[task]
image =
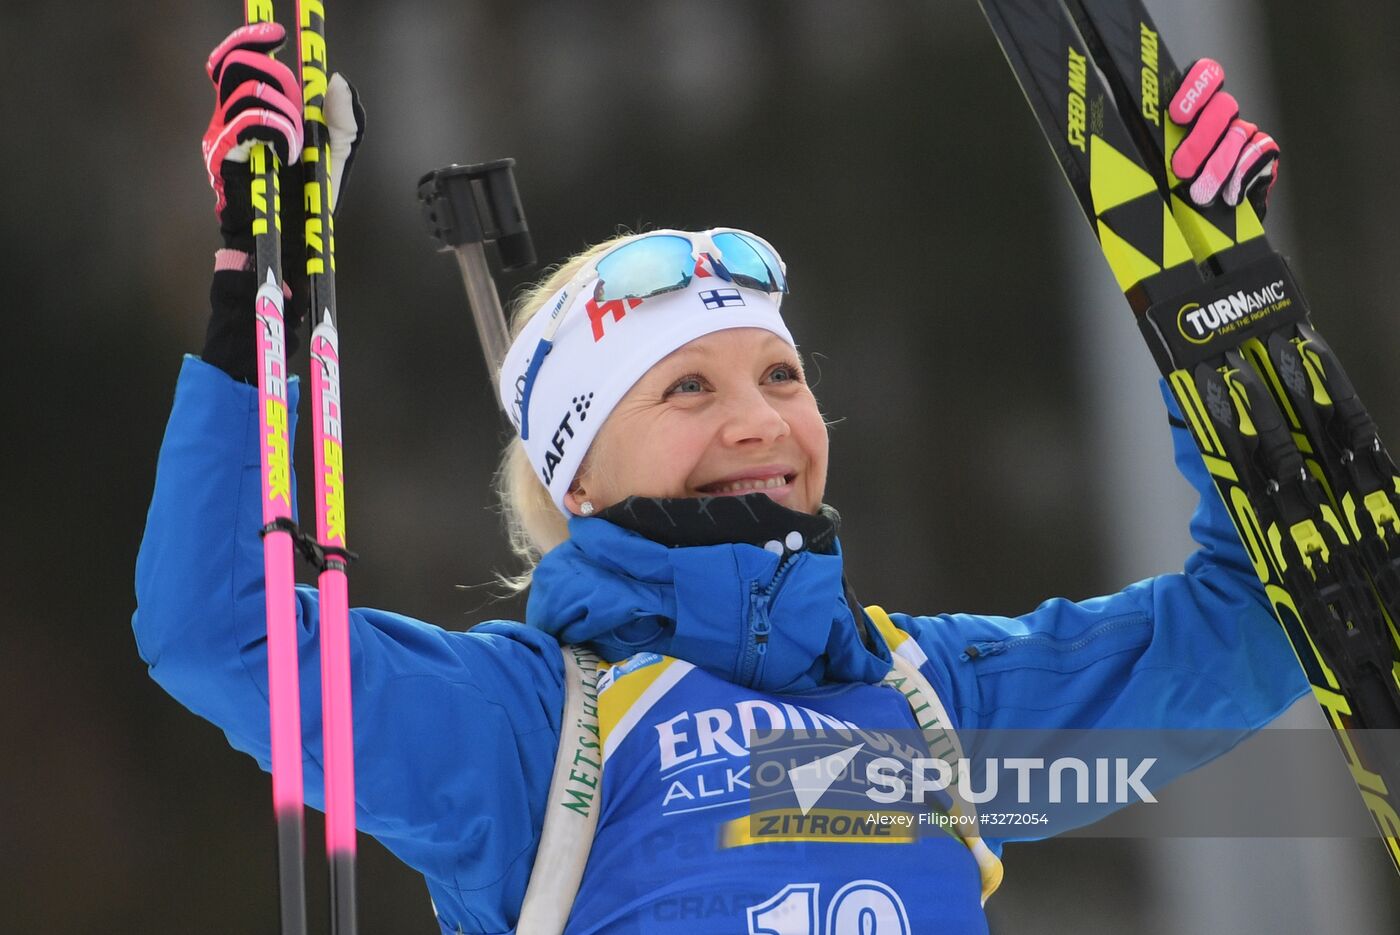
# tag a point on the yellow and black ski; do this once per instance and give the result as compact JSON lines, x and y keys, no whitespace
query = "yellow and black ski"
{"x":1294,"y":454}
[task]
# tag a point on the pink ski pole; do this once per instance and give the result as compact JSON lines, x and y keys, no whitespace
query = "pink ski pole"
{"x":283,"y":689}
{"x":338,"y":735}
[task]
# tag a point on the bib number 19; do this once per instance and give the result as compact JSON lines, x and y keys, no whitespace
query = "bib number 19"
{"x":864,"y":907}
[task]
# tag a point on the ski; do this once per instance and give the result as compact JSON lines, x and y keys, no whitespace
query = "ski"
{"x":330,"y":554}
{"x":279,"y":529}
{"x":1293,"y":453}
{"x":1331,"y":427}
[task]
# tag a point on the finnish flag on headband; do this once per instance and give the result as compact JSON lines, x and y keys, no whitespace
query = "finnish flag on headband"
{"x":721,"y":298}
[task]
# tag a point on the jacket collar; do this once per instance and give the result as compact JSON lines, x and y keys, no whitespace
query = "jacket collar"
{"x":743,"y":613}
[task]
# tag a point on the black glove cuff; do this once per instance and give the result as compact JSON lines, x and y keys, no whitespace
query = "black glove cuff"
{"x":236,"y":220}
{"x":230,"y":342}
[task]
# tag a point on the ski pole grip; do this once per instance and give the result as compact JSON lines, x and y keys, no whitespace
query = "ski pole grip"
{"x":478,"y":204}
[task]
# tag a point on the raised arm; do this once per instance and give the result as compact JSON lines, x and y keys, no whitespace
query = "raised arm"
{"x":455,"y":733}
{"x":1199,"y":648}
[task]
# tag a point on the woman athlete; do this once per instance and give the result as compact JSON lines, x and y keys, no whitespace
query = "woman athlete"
{"x":667,"y":489}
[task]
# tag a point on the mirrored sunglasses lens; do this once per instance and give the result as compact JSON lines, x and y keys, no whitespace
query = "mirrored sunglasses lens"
{"x":751,"y":262}
{"x":646,"y":267}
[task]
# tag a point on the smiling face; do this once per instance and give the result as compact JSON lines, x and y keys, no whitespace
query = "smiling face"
{"x":727,"y":414}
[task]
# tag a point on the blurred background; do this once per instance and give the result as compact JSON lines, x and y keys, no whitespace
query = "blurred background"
{"x":999,"y":439}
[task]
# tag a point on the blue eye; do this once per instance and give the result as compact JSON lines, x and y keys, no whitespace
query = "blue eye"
{"x":690,"y":384}
{"x":785,"y":373}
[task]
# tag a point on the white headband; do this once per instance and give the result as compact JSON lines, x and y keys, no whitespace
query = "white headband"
{"x":600,"y":350}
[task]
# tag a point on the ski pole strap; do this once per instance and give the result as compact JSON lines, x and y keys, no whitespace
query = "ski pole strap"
{"x":323,"y":557}
{"x":570,"y":820}
{"x":318,"y":556}
{"x":280,"y":524}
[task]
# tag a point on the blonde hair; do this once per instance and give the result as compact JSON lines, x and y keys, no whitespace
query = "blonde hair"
{"x":534,"y":524}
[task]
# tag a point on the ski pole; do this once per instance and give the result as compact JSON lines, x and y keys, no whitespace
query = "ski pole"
{"x":283,"y":686}
{"x":466,"y":207}
{"x":331,"y":556}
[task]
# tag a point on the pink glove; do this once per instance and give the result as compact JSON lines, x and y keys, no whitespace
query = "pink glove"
{"x":256,"y":98}
{"x":1222,"y":154}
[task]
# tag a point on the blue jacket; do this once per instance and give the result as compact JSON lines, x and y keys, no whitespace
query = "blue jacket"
{"x":456,"y":732}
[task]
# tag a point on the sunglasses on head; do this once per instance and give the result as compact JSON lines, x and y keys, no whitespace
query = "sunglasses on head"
{"x":666,"y":261}
{"x":653,"y":264}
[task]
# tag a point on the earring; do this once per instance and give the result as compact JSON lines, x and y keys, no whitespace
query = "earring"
{"x":586,"y":508}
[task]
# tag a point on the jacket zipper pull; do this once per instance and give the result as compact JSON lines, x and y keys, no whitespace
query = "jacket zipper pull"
{"x":982,"y":649}
{"x":761,"y":625}
{"x":757,"y":645}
